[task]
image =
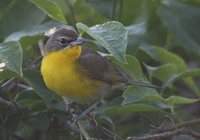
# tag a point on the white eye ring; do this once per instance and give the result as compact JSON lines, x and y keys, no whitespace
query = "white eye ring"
{"x":62,"y":41}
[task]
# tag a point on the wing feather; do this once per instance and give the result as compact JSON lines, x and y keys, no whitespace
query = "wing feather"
{"x":101,"y":68}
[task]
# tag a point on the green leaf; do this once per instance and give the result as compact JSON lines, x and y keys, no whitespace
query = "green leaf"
{"x":51,"y":8}
{"x":132,"y":68}
{"x":11,"y":123}
{"x":138,"y":11}
{"x":40,"y":121}
{"x":84,"y":13}
{"x":184,"y":75}
{"x":6,"y":74}
{"x":34,"y":30}
{"x":34,"y":79}
{"x":183,"y":22}
{"x":29,"y":103}
{"x":122,"y":12}
{"x":136,"y":94}
{"x":105,"y":117}
{"x":112,"y":35}
{"x":24,"y":129}
{"x":63,"y":4}
{"x":102,"y":6}
{"x":175,"y":100}
{"x":119,"y":110}
{"x":11,"y":54}
{"x":162,"y":72}
{"x":135,"y":35}
{"x":172,"y":100}
{"x":17,"y":15}
{"x":82,"y":28}
{"x":165,"y":57}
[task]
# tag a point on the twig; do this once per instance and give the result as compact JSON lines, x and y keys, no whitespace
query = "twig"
{"x":87,"y":111}
{"x":77,"y":122}
{"x":186,"y":124}
{"x":180,"y":128}
{"x":102,"y":129}
{"x":70,"y":6}
{"x":24,"y":87}
{"x":194,"y":134}
{"x":114,"y":9}
{"x":33,"y":62}
{"x":162,"y":127}
{"x":120,"y":10}
{"x":92,"y":121}
{"x":180,"y":125}
{"x":9,"y":84}
{"x":108,"y":133}
{"x":160,"y":136}
{"x":83,"y":131}
{"x":13,"y":82}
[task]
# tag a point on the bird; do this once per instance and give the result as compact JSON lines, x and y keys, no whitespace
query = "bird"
{"x":79,"y":73}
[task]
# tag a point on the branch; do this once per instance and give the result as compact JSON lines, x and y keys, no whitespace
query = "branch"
{"x":179,"y":128}
{"x":161,"y":135}
{"x":186,"y":124}
{"x":83,"y":130}
{"x":194,"y":134}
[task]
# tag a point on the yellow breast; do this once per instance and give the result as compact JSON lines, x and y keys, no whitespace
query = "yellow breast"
{"x":62,"y":74}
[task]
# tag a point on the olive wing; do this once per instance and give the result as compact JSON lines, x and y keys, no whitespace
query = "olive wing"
{"x":100,"y":68}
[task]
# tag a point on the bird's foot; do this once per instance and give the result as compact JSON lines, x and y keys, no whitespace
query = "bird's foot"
{"x":71,"y":107}
{"x":85,"y":113}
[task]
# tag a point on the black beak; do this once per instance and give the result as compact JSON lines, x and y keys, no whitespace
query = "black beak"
{"x":78,"y":41}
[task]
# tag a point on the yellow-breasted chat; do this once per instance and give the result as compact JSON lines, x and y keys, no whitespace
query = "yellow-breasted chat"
{"x":79,"y":73}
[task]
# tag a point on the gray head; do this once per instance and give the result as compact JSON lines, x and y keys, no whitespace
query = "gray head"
{"x":60,"y":39}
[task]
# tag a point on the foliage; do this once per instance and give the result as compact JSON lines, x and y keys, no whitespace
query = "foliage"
{"x":154,"y":41}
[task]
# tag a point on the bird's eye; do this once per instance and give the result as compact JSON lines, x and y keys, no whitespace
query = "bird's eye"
{"x":62,"y":41}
